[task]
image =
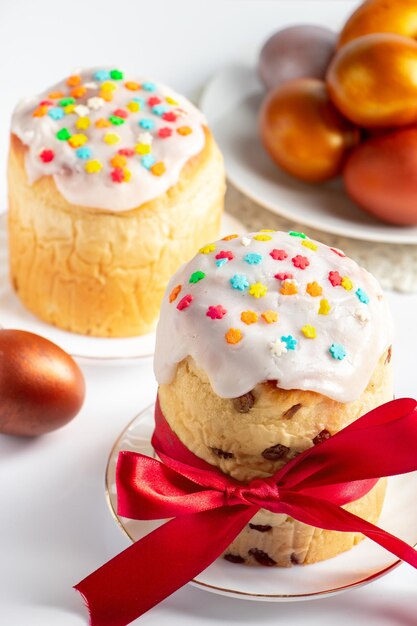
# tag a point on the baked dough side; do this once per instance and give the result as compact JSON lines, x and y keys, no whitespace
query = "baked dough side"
{"x":256,"y":434}
{"x":104,"y":273}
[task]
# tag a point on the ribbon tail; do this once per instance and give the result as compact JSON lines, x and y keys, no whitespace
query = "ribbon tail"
{"x":329,"y":516}
{"x":153,"y":568}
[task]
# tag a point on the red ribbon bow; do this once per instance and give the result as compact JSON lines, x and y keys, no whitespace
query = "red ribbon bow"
{"x":210,"y":508}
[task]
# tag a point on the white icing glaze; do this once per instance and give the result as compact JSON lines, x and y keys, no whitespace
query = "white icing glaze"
{"x":360,"y":329}
{"x":98,"y":190}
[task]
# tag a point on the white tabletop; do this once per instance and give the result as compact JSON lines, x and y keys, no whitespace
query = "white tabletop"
{"x":54,"y":526}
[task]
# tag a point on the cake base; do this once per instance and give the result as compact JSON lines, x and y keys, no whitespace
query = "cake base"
{"x":255,"y":435}
{"x":271,"y":539}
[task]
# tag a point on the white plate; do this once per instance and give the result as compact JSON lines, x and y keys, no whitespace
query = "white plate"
{"x":231,"y":103}
{"x":14,"y":315}
{"x":359,"y":566}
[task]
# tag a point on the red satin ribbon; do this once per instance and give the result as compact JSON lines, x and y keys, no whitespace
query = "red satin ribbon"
{"x":210,"y":508}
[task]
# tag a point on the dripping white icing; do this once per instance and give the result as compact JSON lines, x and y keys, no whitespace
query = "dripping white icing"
{"x":99,"y":190}
{"x":360,"y":329}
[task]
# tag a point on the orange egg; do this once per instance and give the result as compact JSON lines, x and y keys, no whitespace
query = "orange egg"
{"x":381,"y":176}
{"x":373,"y":80}
{"x":303,"y":132}
{"x":381,"y":16}
{"x":41,"y":386}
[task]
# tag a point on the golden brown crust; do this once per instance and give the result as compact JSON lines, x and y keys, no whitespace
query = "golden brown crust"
{"x":104,"y":273}
{"x":289,"y":542}
{"x":290,"y":418}
{"x":257,"y":434}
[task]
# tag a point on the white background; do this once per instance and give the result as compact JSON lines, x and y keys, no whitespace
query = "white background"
{"x":54,"y":524}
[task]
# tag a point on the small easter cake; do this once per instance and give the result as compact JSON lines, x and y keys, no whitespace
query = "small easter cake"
{"x":268,"y":344}
{"x":114,"y":182}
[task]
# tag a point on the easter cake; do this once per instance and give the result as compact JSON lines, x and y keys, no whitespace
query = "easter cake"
{"x":114,"y":182}
{"x":268,"y":344}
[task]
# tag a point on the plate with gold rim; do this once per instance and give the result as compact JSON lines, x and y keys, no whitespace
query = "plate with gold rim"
{"x":98,"y":349}
{"x":359,"y":566}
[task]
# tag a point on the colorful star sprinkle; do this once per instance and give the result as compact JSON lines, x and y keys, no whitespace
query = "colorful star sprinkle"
{"x":111,"y":138}
{"x":133,"y":106}
{"x":208,"y":249}
{"x":301,"y":262}
{"x":119,"y":160}
{"x":284,"y":276}
{"x":249,"y":317}
{"x":239,"y":281}
{"x":289,"y":341}
{"x":185,"y":302}
{"x":309,"y":331}
{"x":116,"y":74}
{"x":174,"y":293}
{"x":77,"y":140}
{"x":347,"y":283}
{"x":95,"y":103}
{"x":253,"y":258}
{"x":84,"y":152}
{"x":335,"y":279}
{"x":337,"y":351}
{"x":148,"y":160}
{"x":362,"y":296}
{"x":74,"y":80}
{"x":270,"y":317}
{"x":64,"y":102}
{"x":82,"y":123}
{"x":158,"y":169}
{"x":120,"y":113}
{"x":324,"y":308}
{"x":289,"y":287}
{"x":116,"y":120}
{"x":147,"y":124}
{"x":197,"y":276}
{"x":233,"y":335}
{"x":143,"y":148}
{"x":102,"y":75}
{"x":164,"y":132}
{"x":278,"y":347}
{"x":225,"y":254}
{"x":169,"y":116}
{"x":148,"y":86}
{"x":102,"y":123}
{"x":182,"y":130}
{"x":47,"y":156}
{"x":294,"y":233}
{"x":81,"y":110}
{"x":258,"y":290}
{"x":63,"y":134}
{"x":132,"y":85}
{"x":216,"y":312}
{"x":120,"y":175}
{"x":314,"y":289}
{"x":278,"y":255}
{"x":56,"y":113}
{"x":262,"y":237}
{"x":40,"y":111}
{"x":93,"y":167}
{"x":309,"y":244}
